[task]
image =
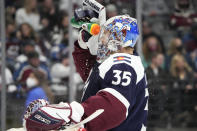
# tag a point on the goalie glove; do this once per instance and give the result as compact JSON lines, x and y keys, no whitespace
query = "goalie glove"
{"x":87,"y":41}
{"x":83,"y":38}
{"x":44,"y":117}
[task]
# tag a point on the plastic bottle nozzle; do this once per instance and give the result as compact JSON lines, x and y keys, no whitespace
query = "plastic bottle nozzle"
{"x":92,"y":28}
{"x":95,"y":29}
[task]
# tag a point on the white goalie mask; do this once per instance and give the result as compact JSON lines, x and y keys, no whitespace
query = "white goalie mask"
{"x":117,"y":32}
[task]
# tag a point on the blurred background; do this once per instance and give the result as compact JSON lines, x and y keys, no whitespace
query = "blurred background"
{"x":38,"y":63}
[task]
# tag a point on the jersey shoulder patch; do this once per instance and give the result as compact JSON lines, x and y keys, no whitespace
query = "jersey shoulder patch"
{"x":118,"y":59}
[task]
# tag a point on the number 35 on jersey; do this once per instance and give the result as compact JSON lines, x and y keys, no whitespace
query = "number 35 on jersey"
{"x":121,"y":78}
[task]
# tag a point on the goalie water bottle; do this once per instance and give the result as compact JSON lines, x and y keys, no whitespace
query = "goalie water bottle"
{"x":92,"y":28}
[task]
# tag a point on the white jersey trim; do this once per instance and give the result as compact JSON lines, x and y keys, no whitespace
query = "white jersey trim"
{"x":119,"y":96}
{"x":146,"y":95}
{"x":105,"y":67}
{"x":143,"y":128}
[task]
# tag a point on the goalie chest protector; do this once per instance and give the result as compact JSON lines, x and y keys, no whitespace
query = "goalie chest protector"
{"x":124,"y":73}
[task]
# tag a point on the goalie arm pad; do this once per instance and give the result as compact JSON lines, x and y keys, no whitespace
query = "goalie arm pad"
{"x":114,"y":111}
{"x":83,"y":60}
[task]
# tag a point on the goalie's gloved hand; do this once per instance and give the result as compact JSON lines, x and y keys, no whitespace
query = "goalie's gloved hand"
{"x":44,"y":117}
{"x":88,"y":41}
{"x":83,"y":38}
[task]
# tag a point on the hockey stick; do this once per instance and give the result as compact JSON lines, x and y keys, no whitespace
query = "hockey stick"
{"x":89,"y":118}
{"x":16,"y":129}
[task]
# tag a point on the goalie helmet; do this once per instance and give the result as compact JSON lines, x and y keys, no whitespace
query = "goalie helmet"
{"x":117,"y":32}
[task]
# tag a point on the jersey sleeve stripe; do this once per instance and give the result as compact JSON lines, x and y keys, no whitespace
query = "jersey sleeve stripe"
{"x":123,"y":60}
{"x":119,"y":96}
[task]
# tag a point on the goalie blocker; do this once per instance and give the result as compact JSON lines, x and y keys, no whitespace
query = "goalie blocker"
{"x":40,"y":116}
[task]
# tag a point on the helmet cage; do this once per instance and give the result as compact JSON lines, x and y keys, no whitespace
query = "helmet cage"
{"x":122,"y":32}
